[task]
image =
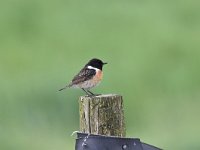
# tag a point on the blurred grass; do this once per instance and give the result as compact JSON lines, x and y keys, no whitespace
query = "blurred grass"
{"x":153,"y":45}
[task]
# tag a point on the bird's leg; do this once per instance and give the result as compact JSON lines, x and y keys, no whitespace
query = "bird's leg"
{"x":92,"y":93}
{"x":85,"y":91}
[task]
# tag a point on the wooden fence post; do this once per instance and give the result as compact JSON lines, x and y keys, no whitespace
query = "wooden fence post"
{"x":102,"y":114}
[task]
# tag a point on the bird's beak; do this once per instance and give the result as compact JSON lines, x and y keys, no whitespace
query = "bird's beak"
{"x":105,"y":63}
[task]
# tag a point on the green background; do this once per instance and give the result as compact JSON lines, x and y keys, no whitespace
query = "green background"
{"x":153,"y":51}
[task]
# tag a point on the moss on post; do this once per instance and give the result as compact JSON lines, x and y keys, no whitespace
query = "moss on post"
{"x":102,"y":114}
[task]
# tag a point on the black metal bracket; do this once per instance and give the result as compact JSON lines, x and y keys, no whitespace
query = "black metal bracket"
{"x":86,"y":141}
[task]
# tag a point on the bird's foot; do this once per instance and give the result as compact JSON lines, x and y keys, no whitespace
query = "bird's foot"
{"x":93,"y":95}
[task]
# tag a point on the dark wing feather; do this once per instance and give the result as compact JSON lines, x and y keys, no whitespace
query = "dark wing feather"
{"x":83,"y":75}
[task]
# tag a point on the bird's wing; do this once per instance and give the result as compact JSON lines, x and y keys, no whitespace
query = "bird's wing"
{"x":83,"y":75}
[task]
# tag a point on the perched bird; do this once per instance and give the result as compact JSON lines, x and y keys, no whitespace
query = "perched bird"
{"x":89,"y":76}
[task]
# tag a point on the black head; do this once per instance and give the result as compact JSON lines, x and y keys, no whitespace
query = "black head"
{"x":97,"y":63}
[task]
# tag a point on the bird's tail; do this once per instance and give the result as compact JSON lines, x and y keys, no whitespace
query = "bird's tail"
{"x":64,"y":88}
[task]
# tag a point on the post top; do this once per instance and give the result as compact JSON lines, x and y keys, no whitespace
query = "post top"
{"x":101,"y":96}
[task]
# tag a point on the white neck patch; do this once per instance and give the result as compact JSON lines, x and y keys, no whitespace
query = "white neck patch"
{"x":90,"y":67}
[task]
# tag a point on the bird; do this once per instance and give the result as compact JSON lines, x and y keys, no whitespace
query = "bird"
{"x":88,"y":77}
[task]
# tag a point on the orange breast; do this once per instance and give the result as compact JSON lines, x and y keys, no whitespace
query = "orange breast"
{"x":98,"y":77}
